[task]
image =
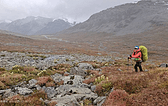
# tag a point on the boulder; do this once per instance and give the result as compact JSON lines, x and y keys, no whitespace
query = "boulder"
{"x":85,"y":66}
{"x":7,"y":93}
{"x":80,"y":97}
{"x":78,"y":71}
{"x":75,"y":80}
{"x":32,"y":83}
{"x":99,"y":100}
{"x":56,"y":77}
{"x":51,"y":92}
{"x":24,"y":91}
{"x":68,"y":100}
{"x":75,"y":90}
{"x":93,"y":88}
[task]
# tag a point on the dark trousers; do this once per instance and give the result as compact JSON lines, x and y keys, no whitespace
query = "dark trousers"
{"x":138,"y":64}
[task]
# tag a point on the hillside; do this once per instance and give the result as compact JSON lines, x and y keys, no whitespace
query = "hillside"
{"x":131,"y":18}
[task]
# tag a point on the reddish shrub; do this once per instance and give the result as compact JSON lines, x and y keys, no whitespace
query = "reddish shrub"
{"x":60,"y":83}
{"x":66,"y":74}
{"x":49,"y":84}
{"x":99,"y":90}
{"x":116,"y":98}
{"x":149,"y":97}
{"x":28,"y":69}
{"x":88,"y":81}
{"x":43,"y":80}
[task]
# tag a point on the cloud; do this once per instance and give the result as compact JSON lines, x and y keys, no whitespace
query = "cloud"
{"x":74,"y":10}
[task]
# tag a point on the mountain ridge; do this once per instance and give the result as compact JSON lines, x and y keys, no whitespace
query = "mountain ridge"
{"x":33,"y":25}
{"x":130,"y":18}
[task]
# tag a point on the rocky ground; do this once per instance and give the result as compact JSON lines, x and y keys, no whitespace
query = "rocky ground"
{"x":71,"y":93}
{"x":44,"y":61}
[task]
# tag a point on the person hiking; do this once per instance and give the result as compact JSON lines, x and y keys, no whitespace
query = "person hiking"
{"x":137,"y":55}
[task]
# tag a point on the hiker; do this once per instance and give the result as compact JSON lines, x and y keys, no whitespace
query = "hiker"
{"x":137,"y":55}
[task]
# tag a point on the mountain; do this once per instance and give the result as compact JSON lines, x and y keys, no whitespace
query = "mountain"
{"x":35,"y":25}
{"x":130,"y":18}
{"x":54,"y":26}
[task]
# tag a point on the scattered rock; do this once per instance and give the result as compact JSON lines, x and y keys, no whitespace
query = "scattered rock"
{"x":51,"y":92}
{"x":99,"y":100}
{"x":78,"y":71}
{"x":67,"y":100}
{"x":24,"y":91}
{"x":32,"y":83}
{"x":119,"y":69}
{"x":56,"y":77}
{"x":93,"y":88}
{"x":164,"y":65}
{"x":146,"y":70}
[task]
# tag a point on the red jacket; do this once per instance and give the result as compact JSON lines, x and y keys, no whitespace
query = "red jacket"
{"x":137,"y":54}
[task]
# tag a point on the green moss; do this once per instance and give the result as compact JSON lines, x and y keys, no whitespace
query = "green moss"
{"x":2,"y":69}
{"x":87,"y":102}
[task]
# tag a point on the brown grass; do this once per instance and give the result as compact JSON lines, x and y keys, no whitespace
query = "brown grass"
{"x":42,"y":81}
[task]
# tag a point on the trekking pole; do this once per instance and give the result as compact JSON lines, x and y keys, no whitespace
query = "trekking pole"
{"x":128,"y":65}
{"x":132,"y":65}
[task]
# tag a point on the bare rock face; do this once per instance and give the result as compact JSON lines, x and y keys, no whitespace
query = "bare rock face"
{"x":125,"y":19}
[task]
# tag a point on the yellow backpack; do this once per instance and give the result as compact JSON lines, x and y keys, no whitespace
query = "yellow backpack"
{"x":144,"y":52}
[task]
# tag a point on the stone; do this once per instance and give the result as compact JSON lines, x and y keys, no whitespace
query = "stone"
{"x":119,"y":69}
{"x":38,"y":87}
{"x":2,"y":92}
{"x":76,"y":90}
{"x":98,"y":100}
{"x":56,"y":77}
{"x":164,"y":65}
{"x":85,"y":66}
{"x":146,"y":70}
{"x":81,"y":97}
{"x":83,"y":85}
{"x":32,"y":83}
{"x":51,"y":92}
{"x":7,"y":93}
{"x":61,"y":104}
{"x":101,"y":103}
{"x":68,"y":100}
{"x":93,"y":88}
{"x":24,"y":91}
{"x":78,"y":71}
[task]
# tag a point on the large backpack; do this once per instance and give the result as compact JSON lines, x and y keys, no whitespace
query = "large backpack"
{"x":144,"y":53}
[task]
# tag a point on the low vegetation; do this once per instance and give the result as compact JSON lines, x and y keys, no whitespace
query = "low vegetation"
{"x":117,"y":81}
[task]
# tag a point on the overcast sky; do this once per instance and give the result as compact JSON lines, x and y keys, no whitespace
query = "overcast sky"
{"x":73,"y":10}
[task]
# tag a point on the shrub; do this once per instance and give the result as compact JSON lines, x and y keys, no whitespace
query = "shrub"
{"x":50,"y":84}
{"x":87,"y":102}
{"x":103,"y":88}
{"x":88,"y":81}
{"x":28,"y":69}
{"x":149,"y":97}
{"x":42,"y":73}
{"x":43,"y":80}
{"x":116,"y":98}
{"x":17,"y":67}
{"x":132,"y":85}
{"x":60,"y":83}
{"x":2,"y":69}
{"x":2,"y":85}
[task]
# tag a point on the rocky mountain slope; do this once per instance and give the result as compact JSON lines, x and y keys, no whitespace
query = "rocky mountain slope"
{"x":35,"y":25}
{"x":131,"y":18}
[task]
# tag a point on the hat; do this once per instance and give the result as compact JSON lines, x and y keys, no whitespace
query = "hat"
{"x":136,"y":47}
